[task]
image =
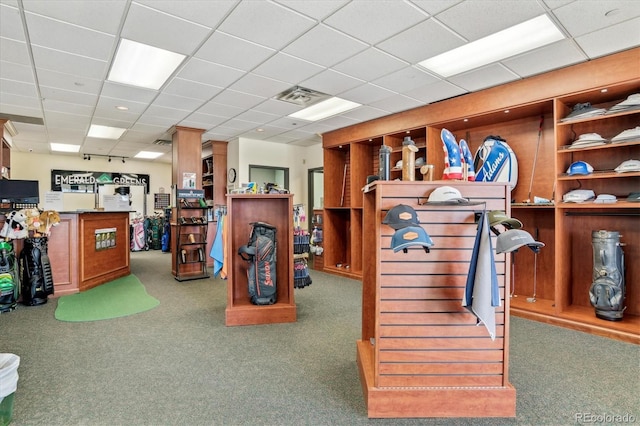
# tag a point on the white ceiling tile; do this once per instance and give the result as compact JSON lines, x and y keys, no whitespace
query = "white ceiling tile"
{"x":100,"y":15}
{"x":370,"y":64}
{"x":481,"y":78}
{"x":149,"y":129}
{"x":266,"y":132}
{"x":553,"y":56}
{"x":108,"y":103}
{"x":98,"y":146}
{"x":51,"y":93}
{"x":615,"y":38}
{"x":239,"y":125}
{"x":232,"y":51}
{"x":158,"y":29}
{"x":207,"y":120}
{"x":31,"y":132}
{"x":177,"y":102}
{"x":19,"y":107}
{"x":433,"y":7}
{"x":220,"y":110}
{"x":259,"y":86}
{"x":288,"y":123}
{"x":331,"y":82}
{"x":266,"y":23}
{"x":69,"y":82}
{"x":405,"y":79}
{"x":68,"y":107}
{"x":20,"y":88}
{"x":436,"y":92}
{"x":274,"y":106}
{"x":66,"y":121}
{"x":31,"y":146}
{"x":364,"y":113}
{"x":16,"y":72}
{"x":478,"y":18}
{"x":11,"y":23}
{"x":16,"y":101}
{"x":552,"y":4}
{"x":339,"y":121}
{"x":207,"y":13}
{"x":209,"y":73}
{"x":396,"y":103}
{"x":110,"y":113}
{"x":14,"y":51}
{"x":191,"y":89}
{"x":165,"y":112}
{"x":427,"y":39}
{"x":238,"y":99}
{"x":580,"y":20}
{"x":324,"y":46}
{"x":72,"y":136}
{"x":374,"y":21}
{"x":155,"y":120}
{"x":69,"y":38}
{"x":69,"y":63}
{"x":367,"y":93}
{"x":256,"y":116}
{"x":121,"y":91}
{"x":287,"y":68}
{"x":314,"y":9}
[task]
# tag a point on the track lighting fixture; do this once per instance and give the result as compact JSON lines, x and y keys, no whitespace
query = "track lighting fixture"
{"x":86,"y":157}
{"x":109,"y":159}
{"x":123,"y":159}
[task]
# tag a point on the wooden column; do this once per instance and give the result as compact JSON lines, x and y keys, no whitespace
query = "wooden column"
{"x":187,"y":154}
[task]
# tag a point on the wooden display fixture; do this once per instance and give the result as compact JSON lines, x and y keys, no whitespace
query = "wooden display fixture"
{"x":514,"y":111}
{"x":421,"y":353}
{"x":214,"y":184}
{"x":190,"y":239}
{"x":242,"y":210}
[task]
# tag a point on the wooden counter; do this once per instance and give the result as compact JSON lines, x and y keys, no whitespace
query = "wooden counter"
{"x":76,"y":263}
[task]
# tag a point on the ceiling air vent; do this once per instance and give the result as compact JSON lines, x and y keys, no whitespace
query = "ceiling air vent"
{"x":301,"y":96}
{"x":162,"y":142}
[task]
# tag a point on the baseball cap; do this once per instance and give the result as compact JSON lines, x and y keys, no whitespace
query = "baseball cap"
{"x":446,"y":195}
{"x":513,"y":239}
{"x":628,"y":166}
{"x":498,"y":217}
{"x":605,"y":199}
{"x":401,"y":216}
{"x":398,"y":165}
{"x":579,"y":168}
{"x":634,"y":197}
{"x":410,"y":236}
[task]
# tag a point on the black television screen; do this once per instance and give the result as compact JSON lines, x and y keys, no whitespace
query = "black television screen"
{"x":19,"y":191}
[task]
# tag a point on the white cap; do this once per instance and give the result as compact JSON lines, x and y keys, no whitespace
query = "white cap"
{"x":446,"y":195}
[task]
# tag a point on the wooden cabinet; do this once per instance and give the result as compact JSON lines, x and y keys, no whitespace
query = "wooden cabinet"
{"x":527,"y":114}
{"x":242,"y":210}
{"x":421,"y":354}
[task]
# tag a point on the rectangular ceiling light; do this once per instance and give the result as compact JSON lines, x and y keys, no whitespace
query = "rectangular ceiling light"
{"x":529,"y":35}
{"x":64,"y":147}
{"x":141,"y":65}
{"x":105,"y":132}
{"x":148,"y":154}
{"x":324,"y":109}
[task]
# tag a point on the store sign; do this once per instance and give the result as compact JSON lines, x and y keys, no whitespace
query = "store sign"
{"x":87,"y":182}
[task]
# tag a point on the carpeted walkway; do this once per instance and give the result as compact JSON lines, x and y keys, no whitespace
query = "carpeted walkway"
{"x":178,"y":364}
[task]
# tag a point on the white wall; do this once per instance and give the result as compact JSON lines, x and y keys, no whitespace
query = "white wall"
{"x":30,"y":166}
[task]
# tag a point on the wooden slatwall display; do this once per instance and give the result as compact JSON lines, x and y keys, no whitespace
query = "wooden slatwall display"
{"x":422,"y":354}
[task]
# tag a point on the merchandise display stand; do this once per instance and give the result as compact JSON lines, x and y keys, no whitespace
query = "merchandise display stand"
{"x":421,"y":353}
{"x":190,"y":259}
{"x":242,"y":210}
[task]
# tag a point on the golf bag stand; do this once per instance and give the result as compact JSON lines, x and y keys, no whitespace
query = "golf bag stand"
{"x":35,"y":271}
{"x":607,"y":291}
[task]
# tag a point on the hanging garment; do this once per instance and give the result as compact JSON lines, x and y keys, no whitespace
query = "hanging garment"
{"x":481,"y":294}
{"x":217,"y":251}
{"x":225,"y":257}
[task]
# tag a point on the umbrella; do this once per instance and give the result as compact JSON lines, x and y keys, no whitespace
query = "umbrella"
{"x":481,"y":294}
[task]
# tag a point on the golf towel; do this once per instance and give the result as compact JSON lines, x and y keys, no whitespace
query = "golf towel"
{"x":481,"y":294}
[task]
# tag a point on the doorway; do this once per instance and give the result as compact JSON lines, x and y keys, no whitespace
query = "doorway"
{"x":315,"y":181}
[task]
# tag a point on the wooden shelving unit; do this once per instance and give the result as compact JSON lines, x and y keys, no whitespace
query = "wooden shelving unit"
{"x":242,"y":210}
{"x":421,"y":354}
{"x":214,"y":183}
{"x":514,"y":112}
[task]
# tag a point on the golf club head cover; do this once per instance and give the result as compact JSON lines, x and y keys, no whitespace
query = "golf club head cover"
{"x":452,"y":159}
{"x":607,"y":292}
{"x":467,"y":160}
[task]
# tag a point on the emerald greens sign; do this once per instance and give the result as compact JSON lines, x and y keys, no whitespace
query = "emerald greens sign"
{"x":87,"y":182}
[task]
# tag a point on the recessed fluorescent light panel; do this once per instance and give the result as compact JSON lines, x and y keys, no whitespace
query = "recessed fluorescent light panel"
{"x":324,"y":109}
{"x":64,"y":147}
{"x":529,"y":35}
{"x":148,"y":154}
{"x":105,"y":132}
{"x":141,"y":65}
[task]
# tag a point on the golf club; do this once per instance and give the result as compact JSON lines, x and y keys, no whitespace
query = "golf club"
{"x":535,"y":159}
{"x":344,"y":184}
{"x":535,"y":272}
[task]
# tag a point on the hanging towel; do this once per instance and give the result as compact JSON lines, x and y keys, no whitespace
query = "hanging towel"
{"x":481,"y":294}
{"x":225,"y":236}
{"x":217,"y":251}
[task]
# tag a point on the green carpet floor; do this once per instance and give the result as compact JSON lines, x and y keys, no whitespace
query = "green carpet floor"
{"x":118,"y":298}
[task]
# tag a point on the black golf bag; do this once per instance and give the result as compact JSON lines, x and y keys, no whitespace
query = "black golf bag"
{"x":260,"y":254}
{"x":9,"y":279}
{"x":607,"y":291}
{"x":35,"y":272}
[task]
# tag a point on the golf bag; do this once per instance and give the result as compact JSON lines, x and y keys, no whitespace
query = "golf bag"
{"x":495,"y":161}
{"x":35,"y":272}
{"x":607,"y":291}
{"x":9,"y":279}
{"x":260,"y":254}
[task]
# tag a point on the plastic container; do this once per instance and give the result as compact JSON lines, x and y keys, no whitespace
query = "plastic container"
{"x":8,"y":384}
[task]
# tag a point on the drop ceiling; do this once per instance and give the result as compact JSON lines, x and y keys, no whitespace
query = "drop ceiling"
{"x":240,"y":54}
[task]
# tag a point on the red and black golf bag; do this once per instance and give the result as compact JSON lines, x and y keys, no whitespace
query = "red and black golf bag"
{"x":260,"y":254}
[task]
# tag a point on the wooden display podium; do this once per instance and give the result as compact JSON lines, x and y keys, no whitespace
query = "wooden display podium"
{"x":421,"y":353}
{"x":242,"y":210}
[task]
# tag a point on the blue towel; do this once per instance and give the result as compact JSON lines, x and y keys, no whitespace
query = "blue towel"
{"x":481,"y":294}
{"x":217,"y":249}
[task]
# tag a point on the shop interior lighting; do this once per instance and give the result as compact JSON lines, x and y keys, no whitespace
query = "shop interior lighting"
{"x":64,"y":147}
{"x":142,"y":65}
{"x":148,"y":154}
{"x":105,"y":132}
{"x":529,"y":35}
{"x":324,"y":109}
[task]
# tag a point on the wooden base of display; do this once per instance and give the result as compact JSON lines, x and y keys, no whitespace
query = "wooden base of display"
{"x":253,"y":315}
{"x":407,"y":402}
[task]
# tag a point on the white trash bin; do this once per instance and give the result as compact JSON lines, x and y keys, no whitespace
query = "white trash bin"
{"x":8,"y":384}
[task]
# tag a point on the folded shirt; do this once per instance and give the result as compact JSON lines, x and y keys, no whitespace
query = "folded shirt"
{"x":627,"y":135}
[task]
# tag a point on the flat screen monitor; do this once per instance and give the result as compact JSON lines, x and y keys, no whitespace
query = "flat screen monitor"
{"x":19,"y":191}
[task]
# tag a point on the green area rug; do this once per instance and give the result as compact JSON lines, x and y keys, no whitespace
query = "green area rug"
{"x":118,"y":298}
